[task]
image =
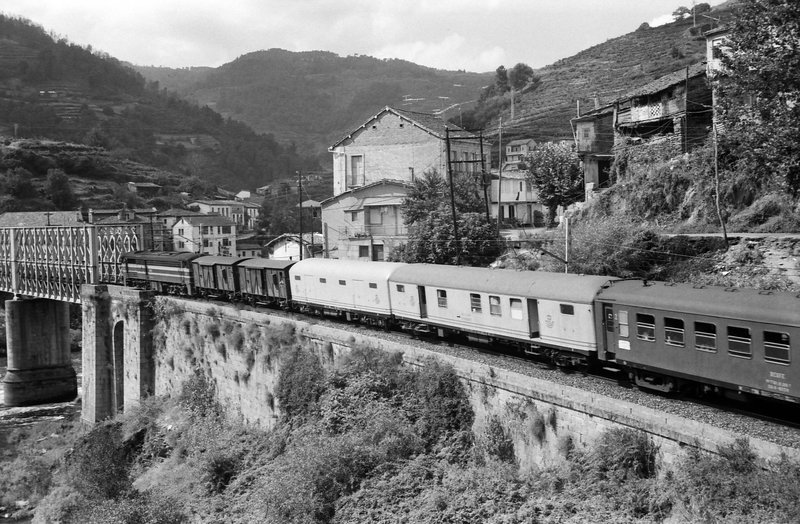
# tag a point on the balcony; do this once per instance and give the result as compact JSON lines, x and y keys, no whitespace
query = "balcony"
{"x":387,"y":230}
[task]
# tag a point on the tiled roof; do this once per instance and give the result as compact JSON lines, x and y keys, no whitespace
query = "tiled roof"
{"x":385,"y":181}
{"x":661,"y":83}
{"x":41,"y":218}
{"x":116,"y":220}
{"x":175,"y":212}
{"x":429,"y":122}
{"x":209,"y":220}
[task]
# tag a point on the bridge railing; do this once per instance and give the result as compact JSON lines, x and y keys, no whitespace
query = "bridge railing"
{"x":53,"y":262}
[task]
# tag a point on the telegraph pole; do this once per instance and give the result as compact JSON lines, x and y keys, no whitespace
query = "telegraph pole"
{"x":452,"y":196}
{"x":500,"y":177}
{"x":485,"y":183}
{"x":300,"y":205}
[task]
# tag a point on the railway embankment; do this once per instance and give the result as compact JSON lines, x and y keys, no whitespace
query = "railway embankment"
{"x":545,"y":411}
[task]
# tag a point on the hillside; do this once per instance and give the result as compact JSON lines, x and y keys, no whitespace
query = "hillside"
{"x":602,"y":73}
{"x":311,"y":98}
{"x":57,"y":90}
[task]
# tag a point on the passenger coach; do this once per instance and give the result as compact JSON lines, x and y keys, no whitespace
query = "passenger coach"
{"x":551,"y":311}
{"x":675,"y":335}
{"x":358,"y":290}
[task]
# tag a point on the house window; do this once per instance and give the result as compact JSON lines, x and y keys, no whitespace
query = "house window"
{"x":586,"y":132}
{"x":226,"y":242}
{"x":205,"y":230}
{"x":180,"y":231}
{"x":356,"y":170}
{"x":226,"y":230}
{"x":363,"y":251}
{"x":739,"y":342}
{"x":475,"y":302}
{"x":375,"y":216}
{"x":181,"y":244}
{"x":776,"y":347}
{"x":494,"y":305}
{"x":354,"y":216}
{"x":705,"y":336}
{"x":401,"y":288}
{"x":673,"y":332}
{"x":205,"y":242}
{"x":645,"y":327}
{"x":441,"y":297}
{"x":567,"y":309}
{"x":516,"y":308}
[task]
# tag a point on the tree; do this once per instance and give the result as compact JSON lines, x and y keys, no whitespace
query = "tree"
{"x":59,"y":190}
{"x":681,"y":13}
{"x":520,"y":75}
{"x":501,"y":80}
{"x":702,"y":8}
{"x":761,"y":66}
{"x":555,"y":172}
{"x":429,"y":218}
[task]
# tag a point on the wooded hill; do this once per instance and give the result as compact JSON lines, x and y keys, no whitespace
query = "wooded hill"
{"x":312,"y":98}
{"x":51,"y":88}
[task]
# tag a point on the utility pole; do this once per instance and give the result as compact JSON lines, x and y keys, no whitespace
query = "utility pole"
{"x":566,"y":244}
{"x":452,"y":197}
{"x":500,"y":177}
{"x":484,"y":182}
{"x":300,"y":205}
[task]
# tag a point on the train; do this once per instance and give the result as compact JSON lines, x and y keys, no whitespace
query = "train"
{"x":663,"y":336}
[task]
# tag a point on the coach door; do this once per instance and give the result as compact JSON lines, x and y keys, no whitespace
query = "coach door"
{"x":423,"y":302}
{"x":533,"y":317}
{"x":609,"y":334}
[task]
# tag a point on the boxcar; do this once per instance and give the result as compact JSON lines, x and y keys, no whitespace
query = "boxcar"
{"x":265,"y":281}
{"x":163,"y":271}
{"x":675,"y":335}
{"x":349,"y":287}
{"x":216,"y":276}
{"x":536,"y":309}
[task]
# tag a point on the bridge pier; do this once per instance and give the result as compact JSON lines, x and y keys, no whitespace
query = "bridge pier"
{"x":38,"y":346}
{"x":118,"y":366}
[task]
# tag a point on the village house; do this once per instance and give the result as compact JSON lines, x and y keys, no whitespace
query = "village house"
{"x":365,"y":223}
{"x":518,"y":202}
{"x":287,"y":246}
{"x":373,"y":167}
{"x":248,"y":250}
{"x":672,"y":113}
{"x":206,"y":234}
{"x":401,"y":145}
{"x":674,"y":109}
{"x":517,"y":150}
{"x":144,"y":189}
{"x":245,"y":214}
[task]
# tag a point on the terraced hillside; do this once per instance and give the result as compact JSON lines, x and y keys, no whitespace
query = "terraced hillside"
{"x":603,"y":72}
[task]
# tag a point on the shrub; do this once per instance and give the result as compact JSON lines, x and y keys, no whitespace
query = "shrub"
{"x":498,"y":442}
{"x":622,"y":454}
{"x":199,"y":398}
{"x":300,"y":383}
{"x":99,"y":464}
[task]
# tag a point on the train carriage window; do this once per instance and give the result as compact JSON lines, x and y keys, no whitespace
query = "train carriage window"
{"x":494,"y":305}
{"x":323,"y":280}
{"x":673,"y":332}
{"x":645,"y":327}
{"x":275,"y":280}
{"x":776,"y":347}
{"x":401,"y":288}
{"x":516,"y":308}
{"x":475,"y":302}
{"x":624,"y":329}
{"x":567,"y":309}
{"x":343,"y":282}
{"x":297,"y":277}
{"x":441,"y":297}
{"x":373,"y":285}
{"x":739,"y":342}
{"x":705,"y":336}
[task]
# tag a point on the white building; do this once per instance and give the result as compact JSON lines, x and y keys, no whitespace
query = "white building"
{"x":207,"y":234}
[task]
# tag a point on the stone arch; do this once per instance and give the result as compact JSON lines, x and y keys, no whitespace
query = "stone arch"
{"x":118,"y":367}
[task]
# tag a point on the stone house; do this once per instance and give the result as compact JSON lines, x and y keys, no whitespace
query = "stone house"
{"x":245,"y":214}
{"x":400,"y":145}
{"x":518,"y":202}
{"x":594,"y":143}
{"x":365,"y":223}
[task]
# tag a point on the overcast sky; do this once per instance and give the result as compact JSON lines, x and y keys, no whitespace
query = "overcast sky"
{"x":475,"y":35}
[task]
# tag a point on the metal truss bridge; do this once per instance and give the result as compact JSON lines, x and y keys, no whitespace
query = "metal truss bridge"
{"x":53,"y":262}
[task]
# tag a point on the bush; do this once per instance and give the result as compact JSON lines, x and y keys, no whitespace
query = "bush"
{"x":301,"y":381}
{"x":498,"y":442}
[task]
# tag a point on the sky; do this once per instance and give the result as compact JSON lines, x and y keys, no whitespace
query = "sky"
{"x":473,"y":35}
